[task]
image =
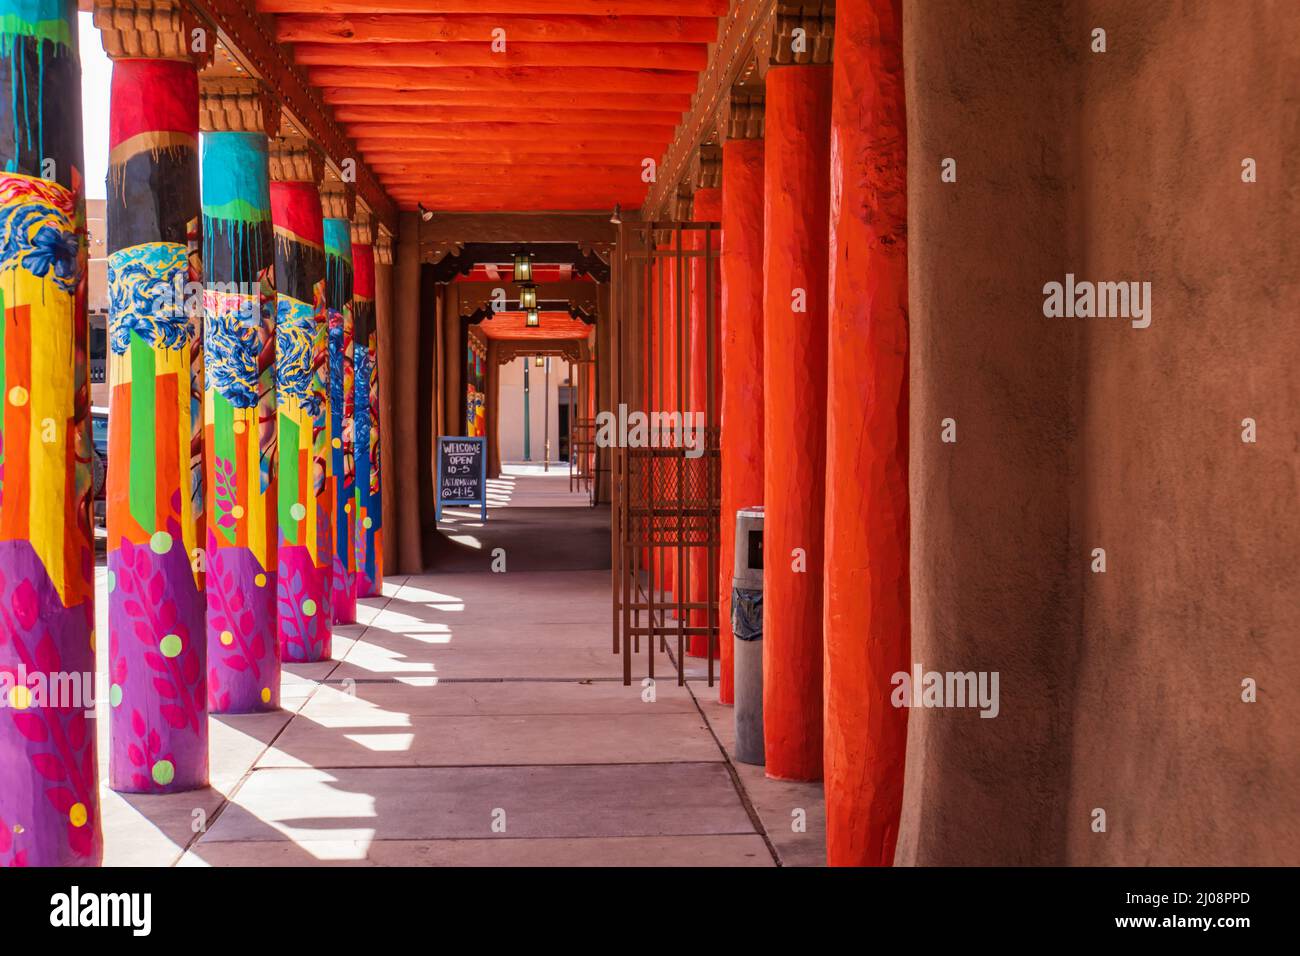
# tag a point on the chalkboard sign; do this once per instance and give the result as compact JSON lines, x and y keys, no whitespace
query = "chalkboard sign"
{"x":462,"y":473}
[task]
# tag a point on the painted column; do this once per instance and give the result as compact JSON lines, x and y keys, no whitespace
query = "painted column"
{"x":49,"y":798}
{"x":338,"y":282}
{"x":239,"y":305}
{"x":796,"y":210}
{"x":384,"y":374}
{"x":742,"y":363}
{"x":306,"y":491}
{"x":406,"y":390}
{"x":368,"y":506}
{"x":868,"y":605}
{"x":157,"y":654}
{"x":706,"y":207}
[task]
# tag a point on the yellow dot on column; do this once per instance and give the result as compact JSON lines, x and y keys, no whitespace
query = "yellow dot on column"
{"x":77,"y":815}
{"x":337,"y":443}
{"x":260,"y":580}
{"x":18,"y":396}
{"x":266,"y":695}
{"x":20,"y":698}
{"x":239,"y":428}
{"x":227,"y":638}
{"x":237,"y":511}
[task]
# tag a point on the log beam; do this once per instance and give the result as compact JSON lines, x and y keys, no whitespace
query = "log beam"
{"x":566,"y":28}
{"x":433,"y":55}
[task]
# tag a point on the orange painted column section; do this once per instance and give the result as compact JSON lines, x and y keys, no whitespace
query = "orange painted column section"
{"x":741,"y":348}
{"x":707,"y":207}
{"x":665,"y":373}
{"x":796,"y":212}
{"x":868,"y":621}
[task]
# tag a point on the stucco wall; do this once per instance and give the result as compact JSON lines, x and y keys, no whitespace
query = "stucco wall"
{"x":1121,"y":690}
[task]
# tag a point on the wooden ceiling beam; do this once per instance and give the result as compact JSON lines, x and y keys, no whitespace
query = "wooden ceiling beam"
{"x":508,"y":179}
{"x":652,"y":138}
{"x":574,"y":168}
{"x":531,"y":228}
{"x":595,"y":8}
{"x":566,"y":28}
{"x":511,"y":80}
{"x":675,"y":103}
{"x":504,"y":113}
{"x":432,"y":154}
{"x":649,"y":56}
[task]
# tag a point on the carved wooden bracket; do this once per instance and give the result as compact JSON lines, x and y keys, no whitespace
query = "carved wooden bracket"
{"x":570,"y":350}
{"x":338,"y":201}
{"x":153,"y":29}
{"x":237,"y":104}
{"x":383,"y":248}
{"x":708,"y":170}
{"x":803,"y":33}
{"x":295,"y":159}
{"x":745,"y":110}
{"x":681,"y":209}
{"x":363,"y":230}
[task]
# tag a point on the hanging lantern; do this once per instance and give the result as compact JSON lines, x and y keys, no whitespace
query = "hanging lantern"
{"x":533,"y":319}
{"x":540,"y":361}
{"x":528,"y":296}
{"x":523,"y":266}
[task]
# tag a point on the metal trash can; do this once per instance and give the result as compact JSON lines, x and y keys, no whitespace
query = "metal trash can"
{"x":747,"y":629}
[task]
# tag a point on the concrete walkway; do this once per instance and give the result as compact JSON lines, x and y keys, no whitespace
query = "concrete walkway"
{"x":477,"y":718}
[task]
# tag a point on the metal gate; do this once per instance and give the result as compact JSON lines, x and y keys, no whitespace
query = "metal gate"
{"x":666,"y":478}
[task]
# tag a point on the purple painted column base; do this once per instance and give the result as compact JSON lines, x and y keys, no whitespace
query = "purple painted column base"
{"x":156,"y":660}
{"x":49,"y":801}
{"x":344,"y":597}
{"x":243,"y":647}
{"x":304,"y":607}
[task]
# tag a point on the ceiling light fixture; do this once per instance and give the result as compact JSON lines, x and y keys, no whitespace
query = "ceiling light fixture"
{"x":523,"y":266}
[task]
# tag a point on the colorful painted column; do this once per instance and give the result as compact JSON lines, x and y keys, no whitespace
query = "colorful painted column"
{"x":306,"y":489}
{"x":706,"y":207}
{"x":338,"y":286}
{"x":368,"y":504}
{"x":796,"y":213}
{"x":742,"y":358}
{"x":239,"y":303}
{"x":49,"y":781}
{"x":868,"y":596}
{"x":157,"y":654}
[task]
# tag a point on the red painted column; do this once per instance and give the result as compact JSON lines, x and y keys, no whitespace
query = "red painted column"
{"x":665,"y":376}
{"x":741,"y":347}
{"x":796,"y":208}
{"x":707,"y":208}
{"x":868,"y":623}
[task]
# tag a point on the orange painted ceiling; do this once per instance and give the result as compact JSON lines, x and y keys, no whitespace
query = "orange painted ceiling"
{"x":561,"y":119}
{"x":551,"y":325}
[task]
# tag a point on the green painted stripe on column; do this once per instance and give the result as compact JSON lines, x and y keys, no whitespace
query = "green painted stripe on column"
{"x":143,"y":493}
{"x":223,"y":433}
{"x":288,"y":479}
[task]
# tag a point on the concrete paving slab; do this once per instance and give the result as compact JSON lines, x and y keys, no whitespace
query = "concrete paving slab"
{"x":424,"y":803}
{"x":438,"y":741}
{"x":780,"y":804}
{"x":727,"y":850}
{"x":338,"y":704}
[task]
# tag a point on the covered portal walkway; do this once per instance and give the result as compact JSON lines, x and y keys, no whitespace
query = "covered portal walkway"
{"x":462,"y":722}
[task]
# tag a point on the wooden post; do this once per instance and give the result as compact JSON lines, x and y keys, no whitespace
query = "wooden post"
{"x":868,"y":596}
{"x":796,"y":211}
